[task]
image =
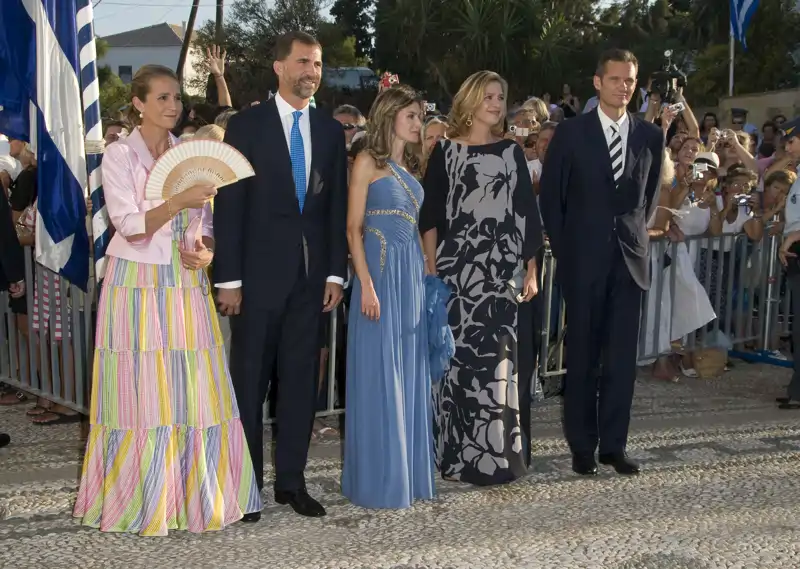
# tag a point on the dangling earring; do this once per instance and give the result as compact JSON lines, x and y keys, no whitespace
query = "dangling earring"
{"x":141,"y":115}
{"x":469,"y":120}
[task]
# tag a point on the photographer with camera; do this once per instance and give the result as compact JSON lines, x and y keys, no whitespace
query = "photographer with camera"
{"x":733,"y":149}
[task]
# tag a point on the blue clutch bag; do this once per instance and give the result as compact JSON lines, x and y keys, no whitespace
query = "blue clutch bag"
{"x":441,"y":344}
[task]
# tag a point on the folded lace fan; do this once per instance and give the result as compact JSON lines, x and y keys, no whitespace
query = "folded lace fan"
{"x":196,"y":162}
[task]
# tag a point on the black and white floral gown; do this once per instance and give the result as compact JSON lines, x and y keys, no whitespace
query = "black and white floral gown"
{"x":481,"y":201}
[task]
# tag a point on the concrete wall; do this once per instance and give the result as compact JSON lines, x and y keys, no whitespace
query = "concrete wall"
{"x":761,"y":107}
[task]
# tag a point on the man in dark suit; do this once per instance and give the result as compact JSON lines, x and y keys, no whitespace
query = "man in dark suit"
{"x":12,"y":265}
{"x":599,"y":186}
{"x":281,"y":260}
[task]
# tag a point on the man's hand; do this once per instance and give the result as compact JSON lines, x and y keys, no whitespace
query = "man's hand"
{"x":333,"y":296}
{"x":229,"y":301}
{"x":17,"y":290}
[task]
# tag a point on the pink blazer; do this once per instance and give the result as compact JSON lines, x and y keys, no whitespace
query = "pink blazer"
{"x":126,"y":165}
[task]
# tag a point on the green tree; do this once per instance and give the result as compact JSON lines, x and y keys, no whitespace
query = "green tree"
{"x":114,"y":94}
{"x":250,"y":31}
{"x":355,"y":19}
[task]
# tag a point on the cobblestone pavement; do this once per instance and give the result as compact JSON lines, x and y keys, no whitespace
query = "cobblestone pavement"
{"x":719,"y":490}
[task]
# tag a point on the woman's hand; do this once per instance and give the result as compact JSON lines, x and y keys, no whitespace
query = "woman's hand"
{"x":216,"y":60}
{"x":675,"y":234}
{"x":707,"y":199}
{"x":667,"y":116}
{"x":370,"y":306}
{"x":200,"y":258}
{"x":530,"y":285}
{"x":193,"y":198}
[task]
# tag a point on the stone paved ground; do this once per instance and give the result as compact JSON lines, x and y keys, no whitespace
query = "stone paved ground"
{"x":720,"y":490}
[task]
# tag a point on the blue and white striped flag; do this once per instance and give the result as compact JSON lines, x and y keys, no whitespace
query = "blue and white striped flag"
{"x":741,"y":12}
{"x":94,"y":134}
{"x":40,"y":50}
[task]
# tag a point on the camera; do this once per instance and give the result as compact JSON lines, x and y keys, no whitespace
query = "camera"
{"x":430,"y":107}
{"x":667,"y":81}
{"x":698,"y":170}
{"x":742,"y":199}
{"x":519,"y":131}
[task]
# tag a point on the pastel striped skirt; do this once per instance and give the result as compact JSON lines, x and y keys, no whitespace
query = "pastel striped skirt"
{"x":166,"y":448}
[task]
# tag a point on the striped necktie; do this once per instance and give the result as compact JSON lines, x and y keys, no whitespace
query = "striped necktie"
{"x":615,"y":150}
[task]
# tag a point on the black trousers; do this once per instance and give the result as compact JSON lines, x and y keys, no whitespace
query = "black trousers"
{"x":602,"y":327}
{"x":793,"y":391}
{"x":285,"y":340}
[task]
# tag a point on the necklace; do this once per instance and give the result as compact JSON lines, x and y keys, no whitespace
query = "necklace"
{"x":153,"y":154}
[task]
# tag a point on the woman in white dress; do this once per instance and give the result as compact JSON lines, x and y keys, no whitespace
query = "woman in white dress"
{"x":677,"y":302}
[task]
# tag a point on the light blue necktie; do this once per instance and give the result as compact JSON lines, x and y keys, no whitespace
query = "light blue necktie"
{"x":297,"y":154}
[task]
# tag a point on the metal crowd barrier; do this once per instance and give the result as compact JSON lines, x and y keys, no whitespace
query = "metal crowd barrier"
{"x":60,"y":370}
{"x":750,"y":301}
{"x":35,"y":361}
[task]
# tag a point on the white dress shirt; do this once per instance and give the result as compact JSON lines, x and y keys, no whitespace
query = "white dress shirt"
{"x":622,"y":125}
{"x":285,"y":111}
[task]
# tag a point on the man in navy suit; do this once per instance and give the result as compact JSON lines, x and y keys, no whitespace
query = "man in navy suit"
{"x":598,"y":188}
{"x":281,"y":260}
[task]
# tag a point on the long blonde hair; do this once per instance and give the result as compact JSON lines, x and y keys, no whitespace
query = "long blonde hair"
{"x":468,"y":99}
{"x":380,"y":126}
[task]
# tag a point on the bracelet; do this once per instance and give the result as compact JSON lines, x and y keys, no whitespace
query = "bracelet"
{"x":169,"y":208}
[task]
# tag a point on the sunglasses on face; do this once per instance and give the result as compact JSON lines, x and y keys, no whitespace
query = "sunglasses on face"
{"x":348,"y":126}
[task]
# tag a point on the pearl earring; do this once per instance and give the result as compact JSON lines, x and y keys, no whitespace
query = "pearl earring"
{"x":141,"y":115}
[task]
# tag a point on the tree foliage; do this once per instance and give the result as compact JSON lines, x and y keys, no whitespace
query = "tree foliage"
{"x":355,"y":19}
{"x":538,"y":45}
{"x":250,"y":32}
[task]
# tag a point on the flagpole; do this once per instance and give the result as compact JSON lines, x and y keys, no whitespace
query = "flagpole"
{"x":731,"y":51}
{"x":93,"y":124}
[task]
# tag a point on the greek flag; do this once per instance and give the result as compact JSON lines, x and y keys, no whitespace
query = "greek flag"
{"x":39,"y":53}
{"x":741,"y":12}
{"x":100,"y":225}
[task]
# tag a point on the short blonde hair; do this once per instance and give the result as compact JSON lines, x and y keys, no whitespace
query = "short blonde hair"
{"x":468,"y":99}
{"x":538,"y":107}
{"x":210,"y":132}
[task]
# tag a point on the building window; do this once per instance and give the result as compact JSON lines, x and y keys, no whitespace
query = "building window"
{"x":126,"y":73}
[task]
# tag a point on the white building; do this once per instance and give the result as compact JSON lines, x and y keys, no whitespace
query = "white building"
{"x":159,"y":44}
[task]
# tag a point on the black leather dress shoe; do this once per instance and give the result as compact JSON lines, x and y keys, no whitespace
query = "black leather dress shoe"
{"x":584,"y":464}
{"x":5,"y":440}
{"x":251,"y":518}
{"x":301,"y":503}
{"x":781,"y":399}
{"x":621,"y":463}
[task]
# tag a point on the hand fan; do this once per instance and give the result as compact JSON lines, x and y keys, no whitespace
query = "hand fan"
{"x":196,"y":162}
{"x":191,"y":234}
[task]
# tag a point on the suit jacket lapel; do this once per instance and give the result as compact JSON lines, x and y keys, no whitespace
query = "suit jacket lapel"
{"x":634,"y":146}
{"x":277,"y":149}
{"x":599,"y":140}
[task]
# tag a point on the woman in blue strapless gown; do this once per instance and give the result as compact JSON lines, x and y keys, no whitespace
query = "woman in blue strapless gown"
{"x":388,"y":447}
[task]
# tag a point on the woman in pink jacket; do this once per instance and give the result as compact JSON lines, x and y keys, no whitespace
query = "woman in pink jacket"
{"x":166,"y":448}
